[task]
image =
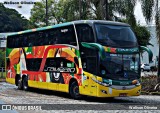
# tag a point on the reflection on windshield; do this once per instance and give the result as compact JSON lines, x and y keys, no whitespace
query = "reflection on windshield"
{"x":119,"y":66}
{"x":117,"y":36}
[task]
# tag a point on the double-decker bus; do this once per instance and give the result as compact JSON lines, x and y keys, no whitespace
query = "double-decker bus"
{"x":86,"y":57}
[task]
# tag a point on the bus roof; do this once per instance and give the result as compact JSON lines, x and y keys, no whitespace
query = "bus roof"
{"x":100,"y":22}
{"x":69,"y":23}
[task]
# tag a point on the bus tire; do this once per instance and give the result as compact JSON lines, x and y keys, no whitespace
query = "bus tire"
{"x":25,"y":83}
{"x":74,"y":90}
{"x":19,"y":84}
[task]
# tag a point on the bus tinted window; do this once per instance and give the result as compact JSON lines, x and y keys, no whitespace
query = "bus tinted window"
{"x":66,"y":35}
{"x":31,"y":39}
{"x":61,"y":35}
{"x":115,"y":36}
{"x":12,"y":41}
{"x":40,"y":38}
{"x":84,"y":33}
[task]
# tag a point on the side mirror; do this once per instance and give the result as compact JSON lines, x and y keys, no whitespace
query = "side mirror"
{"x":150,"y":54}
{"x":95,"y":46}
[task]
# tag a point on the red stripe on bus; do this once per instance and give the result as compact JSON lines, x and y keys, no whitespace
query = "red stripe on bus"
{"x":46,"y":53}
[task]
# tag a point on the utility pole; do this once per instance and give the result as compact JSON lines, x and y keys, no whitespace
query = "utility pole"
{"x":107,"y":10}
{"x":46,"y":12}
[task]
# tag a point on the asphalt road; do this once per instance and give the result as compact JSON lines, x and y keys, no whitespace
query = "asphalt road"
{"x":61,"y":102}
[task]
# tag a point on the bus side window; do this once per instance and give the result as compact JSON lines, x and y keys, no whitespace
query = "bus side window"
{"x":31,"y":39}
{"x":10,"y":41}
{"x":66,"y":35}
{"x":40,"y":39}
{"x":13,"y":41}
{"x":22,"y":40}
{"x":16,"y":41}
{"x":84,"y":33}
{"x":51,"y":36}
{"x":25,"y":41}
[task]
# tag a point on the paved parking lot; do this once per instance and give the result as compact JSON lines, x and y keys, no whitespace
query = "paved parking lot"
{"x":57,"y":100}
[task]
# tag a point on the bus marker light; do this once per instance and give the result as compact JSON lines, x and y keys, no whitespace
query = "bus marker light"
{"x":139,"y":91}
{"x":134,"y":82}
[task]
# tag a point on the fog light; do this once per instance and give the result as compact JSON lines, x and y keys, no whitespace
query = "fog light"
{"x":139,"y":91}
{"x":103,"y":91}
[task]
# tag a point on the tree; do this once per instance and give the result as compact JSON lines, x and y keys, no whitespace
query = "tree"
{"x":38,"y":13}
{"x":142,"y":34}
{"x":11,"y":20}
{"x":149,"y":12}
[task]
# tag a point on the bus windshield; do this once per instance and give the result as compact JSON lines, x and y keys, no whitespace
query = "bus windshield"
{"x":115,"y":36}
{"x":120,"y":66}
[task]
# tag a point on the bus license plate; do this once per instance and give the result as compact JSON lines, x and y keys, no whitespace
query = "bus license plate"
{"x":123,"y":94}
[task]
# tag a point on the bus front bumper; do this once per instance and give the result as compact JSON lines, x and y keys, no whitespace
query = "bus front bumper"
{"x":103,"y":91}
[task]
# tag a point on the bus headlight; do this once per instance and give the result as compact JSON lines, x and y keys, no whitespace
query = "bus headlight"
{"x":136,"y":82}
{"x":101,"y":83}
{"x":139,"y":91}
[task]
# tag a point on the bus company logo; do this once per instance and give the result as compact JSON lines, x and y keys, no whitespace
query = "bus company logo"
{"x":60,"y":69}
{"x":128,"y":50}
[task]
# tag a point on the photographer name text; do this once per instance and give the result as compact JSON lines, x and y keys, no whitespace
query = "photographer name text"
{"x":17,"y":3}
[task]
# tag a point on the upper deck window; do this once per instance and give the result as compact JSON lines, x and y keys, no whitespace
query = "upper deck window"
{"x":60,"y":35}
{"x":84,"y":33}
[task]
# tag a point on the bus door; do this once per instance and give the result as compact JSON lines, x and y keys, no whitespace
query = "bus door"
{"x":89,"y":65}
{"x":88,"y":58}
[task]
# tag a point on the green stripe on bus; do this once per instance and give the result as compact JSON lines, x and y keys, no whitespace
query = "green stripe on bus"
{"x":77,"y":53}
{"x":42,"y":28}
{"x":96,"y":46}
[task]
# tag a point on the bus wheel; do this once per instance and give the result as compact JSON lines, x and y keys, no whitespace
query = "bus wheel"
{"x":19,"y":84}
{"x":25,"y":83}
{"x":74,"y":90}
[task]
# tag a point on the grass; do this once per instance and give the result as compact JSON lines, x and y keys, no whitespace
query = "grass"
{"x":2,"y":75}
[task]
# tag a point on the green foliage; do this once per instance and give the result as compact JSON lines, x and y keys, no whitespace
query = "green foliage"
{"x":142,"y":34}
{"x":2,"y":76}
{"x":38,"y":13}
{"x":2,"y":58}
{"x":75,"y":10}
{"x":11,"y":20}
{"x":147,"y":9}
